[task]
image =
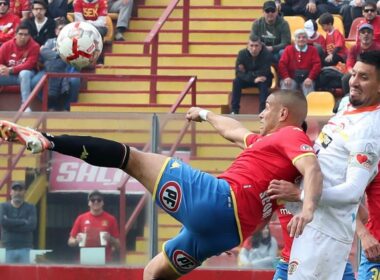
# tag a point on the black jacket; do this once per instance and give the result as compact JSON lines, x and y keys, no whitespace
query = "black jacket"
{"x":47,"y":31}
{"x":253,"y":67}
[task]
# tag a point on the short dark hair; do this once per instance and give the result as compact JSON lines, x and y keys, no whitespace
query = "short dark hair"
{"x":24,"y":26}
{"x":371,"y":58}
{"x":40,"y":2}
{"x":326,"y":18}
{"x":254,"y":38}
{"x":61,"y":21}
{"x":370,"y":3}
{"x":95,"y":193}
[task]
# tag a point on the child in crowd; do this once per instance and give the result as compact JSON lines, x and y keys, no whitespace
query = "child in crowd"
{"x":335,"y":42}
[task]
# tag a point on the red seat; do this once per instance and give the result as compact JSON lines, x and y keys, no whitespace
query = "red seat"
{"x":354,"y":28}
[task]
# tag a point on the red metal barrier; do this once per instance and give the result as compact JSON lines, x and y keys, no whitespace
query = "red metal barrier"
{"x":39,"y":272}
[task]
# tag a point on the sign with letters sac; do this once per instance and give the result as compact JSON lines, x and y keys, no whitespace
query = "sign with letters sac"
{"x":72,"y":174}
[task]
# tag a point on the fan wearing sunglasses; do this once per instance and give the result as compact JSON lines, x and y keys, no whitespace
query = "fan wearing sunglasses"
{"x":272,"y":30}
{"x":370,"y":15}
{"x":95,"y":228}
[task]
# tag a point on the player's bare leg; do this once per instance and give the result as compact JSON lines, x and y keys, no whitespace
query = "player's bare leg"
{"x":159,"y":269}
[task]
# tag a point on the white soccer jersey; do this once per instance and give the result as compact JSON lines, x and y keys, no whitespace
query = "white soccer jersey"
{"x":348,"y":151}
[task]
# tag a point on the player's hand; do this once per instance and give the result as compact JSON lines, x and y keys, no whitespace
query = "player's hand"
{"x":371,"y":247}
{"x":284,"y":190}
{"x":311,"y":7}
{"x":193,"y":114}
{"x":298,"y":223}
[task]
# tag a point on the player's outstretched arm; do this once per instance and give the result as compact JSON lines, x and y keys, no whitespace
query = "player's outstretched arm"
{"x":313,"y":180}
{"x":229,"y":128}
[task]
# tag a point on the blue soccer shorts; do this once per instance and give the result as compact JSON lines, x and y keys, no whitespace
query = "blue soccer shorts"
{"x":282,"y":271}
{"x":205,"y":206}
{"x":368,"y":270}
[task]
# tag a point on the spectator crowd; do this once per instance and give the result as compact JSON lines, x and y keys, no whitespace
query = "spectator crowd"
{"x":28,"y":33}
{"x":317,"y":57}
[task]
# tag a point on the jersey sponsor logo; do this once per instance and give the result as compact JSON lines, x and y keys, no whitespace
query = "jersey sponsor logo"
{"x":84,"y":153}
{"x":324,"y":139}
{"x":170,"y":196}
{"x":183,"y":261}
{"x":267,"y":205}
{"x":293,"y":265}
{"x":175,"y":164}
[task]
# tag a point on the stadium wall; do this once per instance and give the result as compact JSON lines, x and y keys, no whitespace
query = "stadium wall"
{"x":48,"y":272}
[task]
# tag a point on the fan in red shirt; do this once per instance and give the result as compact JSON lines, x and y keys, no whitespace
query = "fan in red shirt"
{"x":95,"y":228}
{"x":20,"y":8}
{"x":92,"y":11}
{"x":335,"y":43}
{"x":299,"y":65}
{"x":8,"y":22}
{"x":369,"y":11}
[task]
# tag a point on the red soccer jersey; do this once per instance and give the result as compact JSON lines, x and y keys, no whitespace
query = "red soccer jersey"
{"x":265,"y":158}
{"x":91,"y":11}
{"x":335,"y":39}
{"x":319,"y":39}
{"x":373,"y":202}
{"x":19,"y":6}
{"x":8,"y":25}
{"x":92,"y":226}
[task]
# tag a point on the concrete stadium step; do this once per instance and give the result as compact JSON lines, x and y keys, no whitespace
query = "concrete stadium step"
{"x":229,"y":12}
{"x":136,"y":258}
{"x":202,"y":85}
{"x":248,"y":3}
{"x":195,"y":24}
{"x":142,"y":244}
{"x":215,"y":164}
{"x":165,"y":219}
{"x":217,"y":151}
{"x":194,"y":36}
{"x":164,"y":231}
{"x":176,"y":48}
{"x":18,"y":174}
{"x":166,"y":2}
{"x":198,"y":60}
{"x":209,"y":98}
{"x":201,"y":73}
{"x":92,"y":107}
{"x":25,"y":161}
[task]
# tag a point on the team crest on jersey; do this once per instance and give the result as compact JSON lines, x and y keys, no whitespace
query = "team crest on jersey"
{"x":305,"y":147}
{"x":293,"y":265}
{"x":183,"y":261}
{"x":170,"y":196}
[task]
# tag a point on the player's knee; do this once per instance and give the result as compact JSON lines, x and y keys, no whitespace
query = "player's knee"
{"x":159,"y":269}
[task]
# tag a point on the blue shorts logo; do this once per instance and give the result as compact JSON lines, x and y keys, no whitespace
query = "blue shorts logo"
{"x":170,"y":196}
{"x":183,"y":262}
